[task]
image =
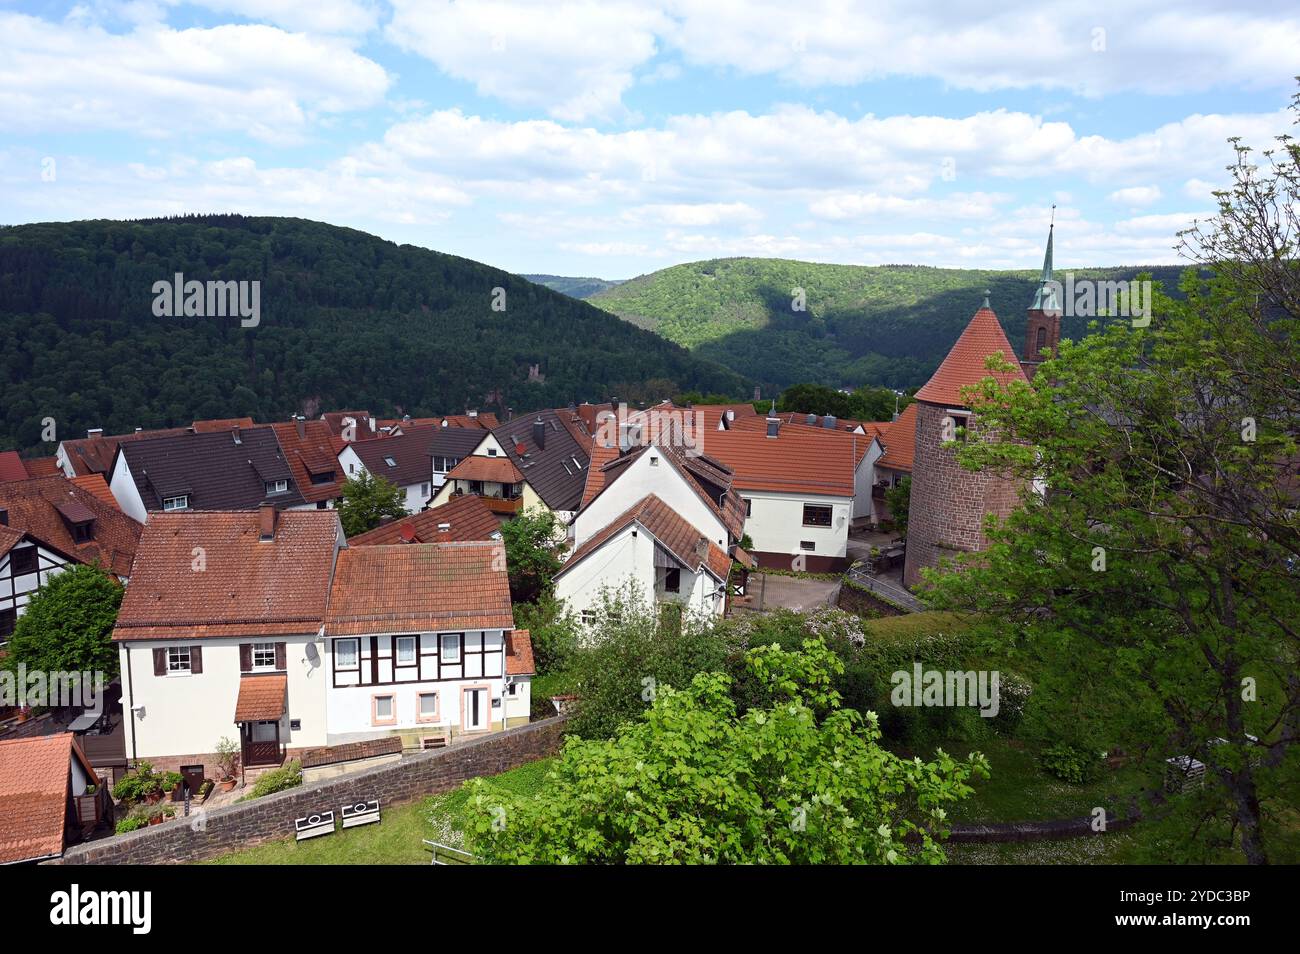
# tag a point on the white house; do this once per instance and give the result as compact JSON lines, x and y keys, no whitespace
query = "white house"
{"x":402,"y":460}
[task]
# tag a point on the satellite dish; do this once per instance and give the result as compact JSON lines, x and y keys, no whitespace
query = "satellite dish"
{"x":313,"y":655}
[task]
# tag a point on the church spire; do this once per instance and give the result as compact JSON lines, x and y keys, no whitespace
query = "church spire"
{"x":1043,"y":329}
{"x":1047,"y":299}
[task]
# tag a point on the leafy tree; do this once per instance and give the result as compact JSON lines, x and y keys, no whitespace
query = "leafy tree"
{"x":553,"y":631}
{"x":533,"y":542}
{"x":814,"y":399}
{"x":367,"y":499}
{"x":1156,"y":581}
{"x":898,"y":499}
{"x":694,"y":781}
{"x":876,"y":404}
{"x":68,"y":624}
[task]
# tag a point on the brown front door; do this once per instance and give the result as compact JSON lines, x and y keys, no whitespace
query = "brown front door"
{"x":193,"y":775}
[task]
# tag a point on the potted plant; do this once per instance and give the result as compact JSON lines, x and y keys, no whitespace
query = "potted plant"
{"x":227,"y":759}
{"x":171,"y":784}
{"x":205,"y":790}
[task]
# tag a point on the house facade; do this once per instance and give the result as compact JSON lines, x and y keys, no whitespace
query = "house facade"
{"x":402,"y":460}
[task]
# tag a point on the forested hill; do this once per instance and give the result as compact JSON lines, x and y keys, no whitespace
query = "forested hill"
{"x":877,"y":325}
{"x":346,"y":320}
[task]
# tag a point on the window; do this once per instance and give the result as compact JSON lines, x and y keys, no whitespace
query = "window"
{"x":1042,"y":340}
{"x":390,"y":462}
{"x":352,"y":468}
{"x":83,"y":532}
{"x":8,"y":620}
{"x":512,"y":689}
{"x":492,"y":452}
{"x":807,"y":545}
{"x":383,"y":711}
{"x":426,"y":707}
{"x":450,"y":647}
{"x":406,"y":650}
{"x":672,"y":580}
{"x":176,"y":503}
{"x":815,"y":516}
{"x":654,"y":461}
{"x":346,"y":654}
{"x":263,"y":655}
{"x":444,"y":464}
{"x":476,"y":487}
{"x":178,"y":659}
{"x":424,"y":490}
{"x":277,"y":486}
{"x":588,"y":617}
{"x":323,"y":477}
{"x":22,"y":561}
{"x":749,"y":507}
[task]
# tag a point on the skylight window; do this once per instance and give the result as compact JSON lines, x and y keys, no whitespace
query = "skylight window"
{"x":390,"y":462}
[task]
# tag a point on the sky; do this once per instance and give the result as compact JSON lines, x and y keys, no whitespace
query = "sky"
{"x":612,"y":138}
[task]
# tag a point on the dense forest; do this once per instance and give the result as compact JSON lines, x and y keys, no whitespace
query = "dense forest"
{"x":886,"y":325}
{"x":347,"y":320}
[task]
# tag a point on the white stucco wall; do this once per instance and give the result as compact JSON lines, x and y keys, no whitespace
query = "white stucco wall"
{"x":775,"y":523}
{"x":125,"y":492}
{"x":189,"y":714}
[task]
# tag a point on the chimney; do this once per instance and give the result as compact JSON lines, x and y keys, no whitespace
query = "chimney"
{"x":139,"y":430}
{"x":471,"y":413}
{"x":266,"y":522}
{"x":300,"y":424}
{"x":407,"y":532}
{"x":539,"y":434}
{"x":811,"y":419}
{"x":95,"y":432}
{"x":234,"y":432}
{"x":773,"y":425}
{"x":406,"y":419}
{"x":758,"y":393}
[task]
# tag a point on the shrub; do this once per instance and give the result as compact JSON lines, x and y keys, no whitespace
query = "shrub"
{"x":139,"y":785}
{"x":553,"y":631}
{"x":227,"y":756}
{"x":287,"y":776}
{"x":130,"y":823}
{"x":1071,"y":763}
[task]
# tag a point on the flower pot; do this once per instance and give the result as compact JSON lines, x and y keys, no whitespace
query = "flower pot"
{"x":156,"y":820}
{"x":227,"y":784}
{"x":153,"y":798}
{"x":175,"y":794}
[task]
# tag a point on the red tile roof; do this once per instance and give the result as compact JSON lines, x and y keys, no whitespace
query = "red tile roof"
{"x":35,"y":774}
{"x":900,"y":441}
{"x":97,"y":485}
{"x":419,"y":587}
{"x":43,"y":467}
{"x":601,"y":456}
{"x":468,"y":518}
{"x":316,"y":452}
{"x":9,"y":539}
{"x":799,"y":460}
{"x":245,"y":587}
{"x":261,"y":698}
{"x":477,"y":467}
{"x":663,"y":523}
{"x":40,"y":507}
{"x":965,"y":362}
{"x":222,"y":424}
{"x":337,"y":421}
{"x":12,"y":466}
{"x":519,"y":653}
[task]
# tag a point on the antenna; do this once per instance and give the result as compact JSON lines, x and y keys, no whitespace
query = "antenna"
{"x":1053,"y":220}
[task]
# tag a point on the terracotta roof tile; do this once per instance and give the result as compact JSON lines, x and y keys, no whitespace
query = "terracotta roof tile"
{"x":12,"y":466}
{"x":672,"y":531}
{"x":43,"y":467}
{"x":468,"y":518}
{"x":964,"y":365}
{"x":97,"y":485}
{"x":477,"y":467}
{"x":801,"y":460}
{"x":900,"y":441}
{"x":34,"y":780}
{"x":419,"y":587}
{"x":245,"y":586}
{"x":338,"y":420}
{"x":34,"y":507}
{"x":519,"y":653}
{"x":316,"y":452}
{"x":261,"y":698}
{"x":221,"y":424}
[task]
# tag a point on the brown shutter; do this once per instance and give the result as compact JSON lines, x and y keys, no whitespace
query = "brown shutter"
{"x":196,"y":659}
{"x":245,"y":657}
{"x":160,"y":662}
{"x":281,"y":656}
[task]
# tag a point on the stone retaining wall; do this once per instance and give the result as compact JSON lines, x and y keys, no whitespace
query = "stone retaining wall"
{"x":221,"y":830}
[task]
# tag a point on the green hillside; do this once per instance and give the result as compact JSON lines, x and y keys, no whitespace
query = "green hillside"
{"x":574,"y":287}
{"x":879,"y":325}
{"x":347,"y":320}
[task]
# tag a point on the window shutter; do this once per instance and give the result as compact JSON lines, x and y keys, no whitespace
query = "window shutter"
{"x":245,"y":657}
{"x":160,"y":662}
{"x":196,"y":660}
{"x":281,"y":656}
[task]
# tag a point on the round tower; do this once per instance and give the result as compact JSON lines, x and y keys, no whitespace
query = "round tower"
{"x":948,"y":502}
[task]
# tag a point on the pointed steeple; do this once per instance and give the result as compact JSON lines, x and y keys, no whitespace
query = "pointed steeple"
{"x":1047,"y":299}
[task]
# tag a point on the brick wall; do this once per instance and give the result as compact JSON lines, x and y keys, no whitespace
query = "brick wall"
{"x":271,"y":817}
{"x":948,"y":502}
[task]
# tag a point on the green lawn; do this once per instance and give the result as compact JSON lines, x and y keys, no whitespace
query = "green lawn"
{"x":398,"y":839}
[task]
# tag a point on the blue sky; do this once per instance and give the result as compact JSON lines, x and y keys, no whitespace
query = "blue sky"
{"x":612,"y":138}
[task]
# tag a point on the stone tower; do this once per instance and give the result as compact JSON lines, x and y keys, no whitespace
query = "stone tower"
{"x":948,"y":503}
{"x":1043,"y":327}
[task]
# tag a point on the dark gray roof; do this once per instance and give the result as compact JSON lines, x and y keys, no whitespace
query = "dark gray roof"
{"x":214,"y":471}
{"x":456,"y":442}
{"x":557,"y":471}
{"x":408,"y":453}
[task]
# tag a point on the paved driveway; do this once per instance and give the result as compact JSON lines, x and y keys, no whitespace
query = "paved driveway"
{"x":772,"y":592}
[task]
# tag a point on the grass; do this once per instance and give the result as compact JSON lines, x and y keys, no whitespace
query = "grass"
{"x":398,"y":839}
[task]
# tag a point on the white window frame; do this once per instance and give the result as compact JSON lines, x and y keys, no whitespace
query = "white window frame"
{"x":263,"y":649}
{"x":356,"y":654}
{"x":179,"y":662}
{"x":443,"y":655}
{"x":397,"y":650}
{"x":277,"y":487}
{"x":170,"y":503}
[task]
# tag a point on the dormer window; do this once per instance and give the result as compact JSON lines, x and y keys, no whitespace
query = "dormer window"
{"x":83,"y":532}
{"x":176,"y":503}
{"x":323,"y":477}
{"x":277,"y":487}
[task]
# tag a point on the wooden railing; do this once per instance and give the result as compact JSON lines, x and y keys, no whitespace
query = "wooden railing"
{"x":263,"y":753}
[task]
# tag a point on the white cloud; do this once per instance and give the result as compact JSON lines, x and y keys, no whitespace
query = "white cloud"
{"x":858,"y":205}
{"x":1136,"y":195}
{"x":319,"y":16}
{"x":157,"y":82}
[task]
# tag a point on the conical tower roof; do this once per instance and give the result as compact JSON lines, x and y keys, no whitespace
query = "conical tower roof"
{"x":1046,"y":298}
{"x":965,"y":362}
